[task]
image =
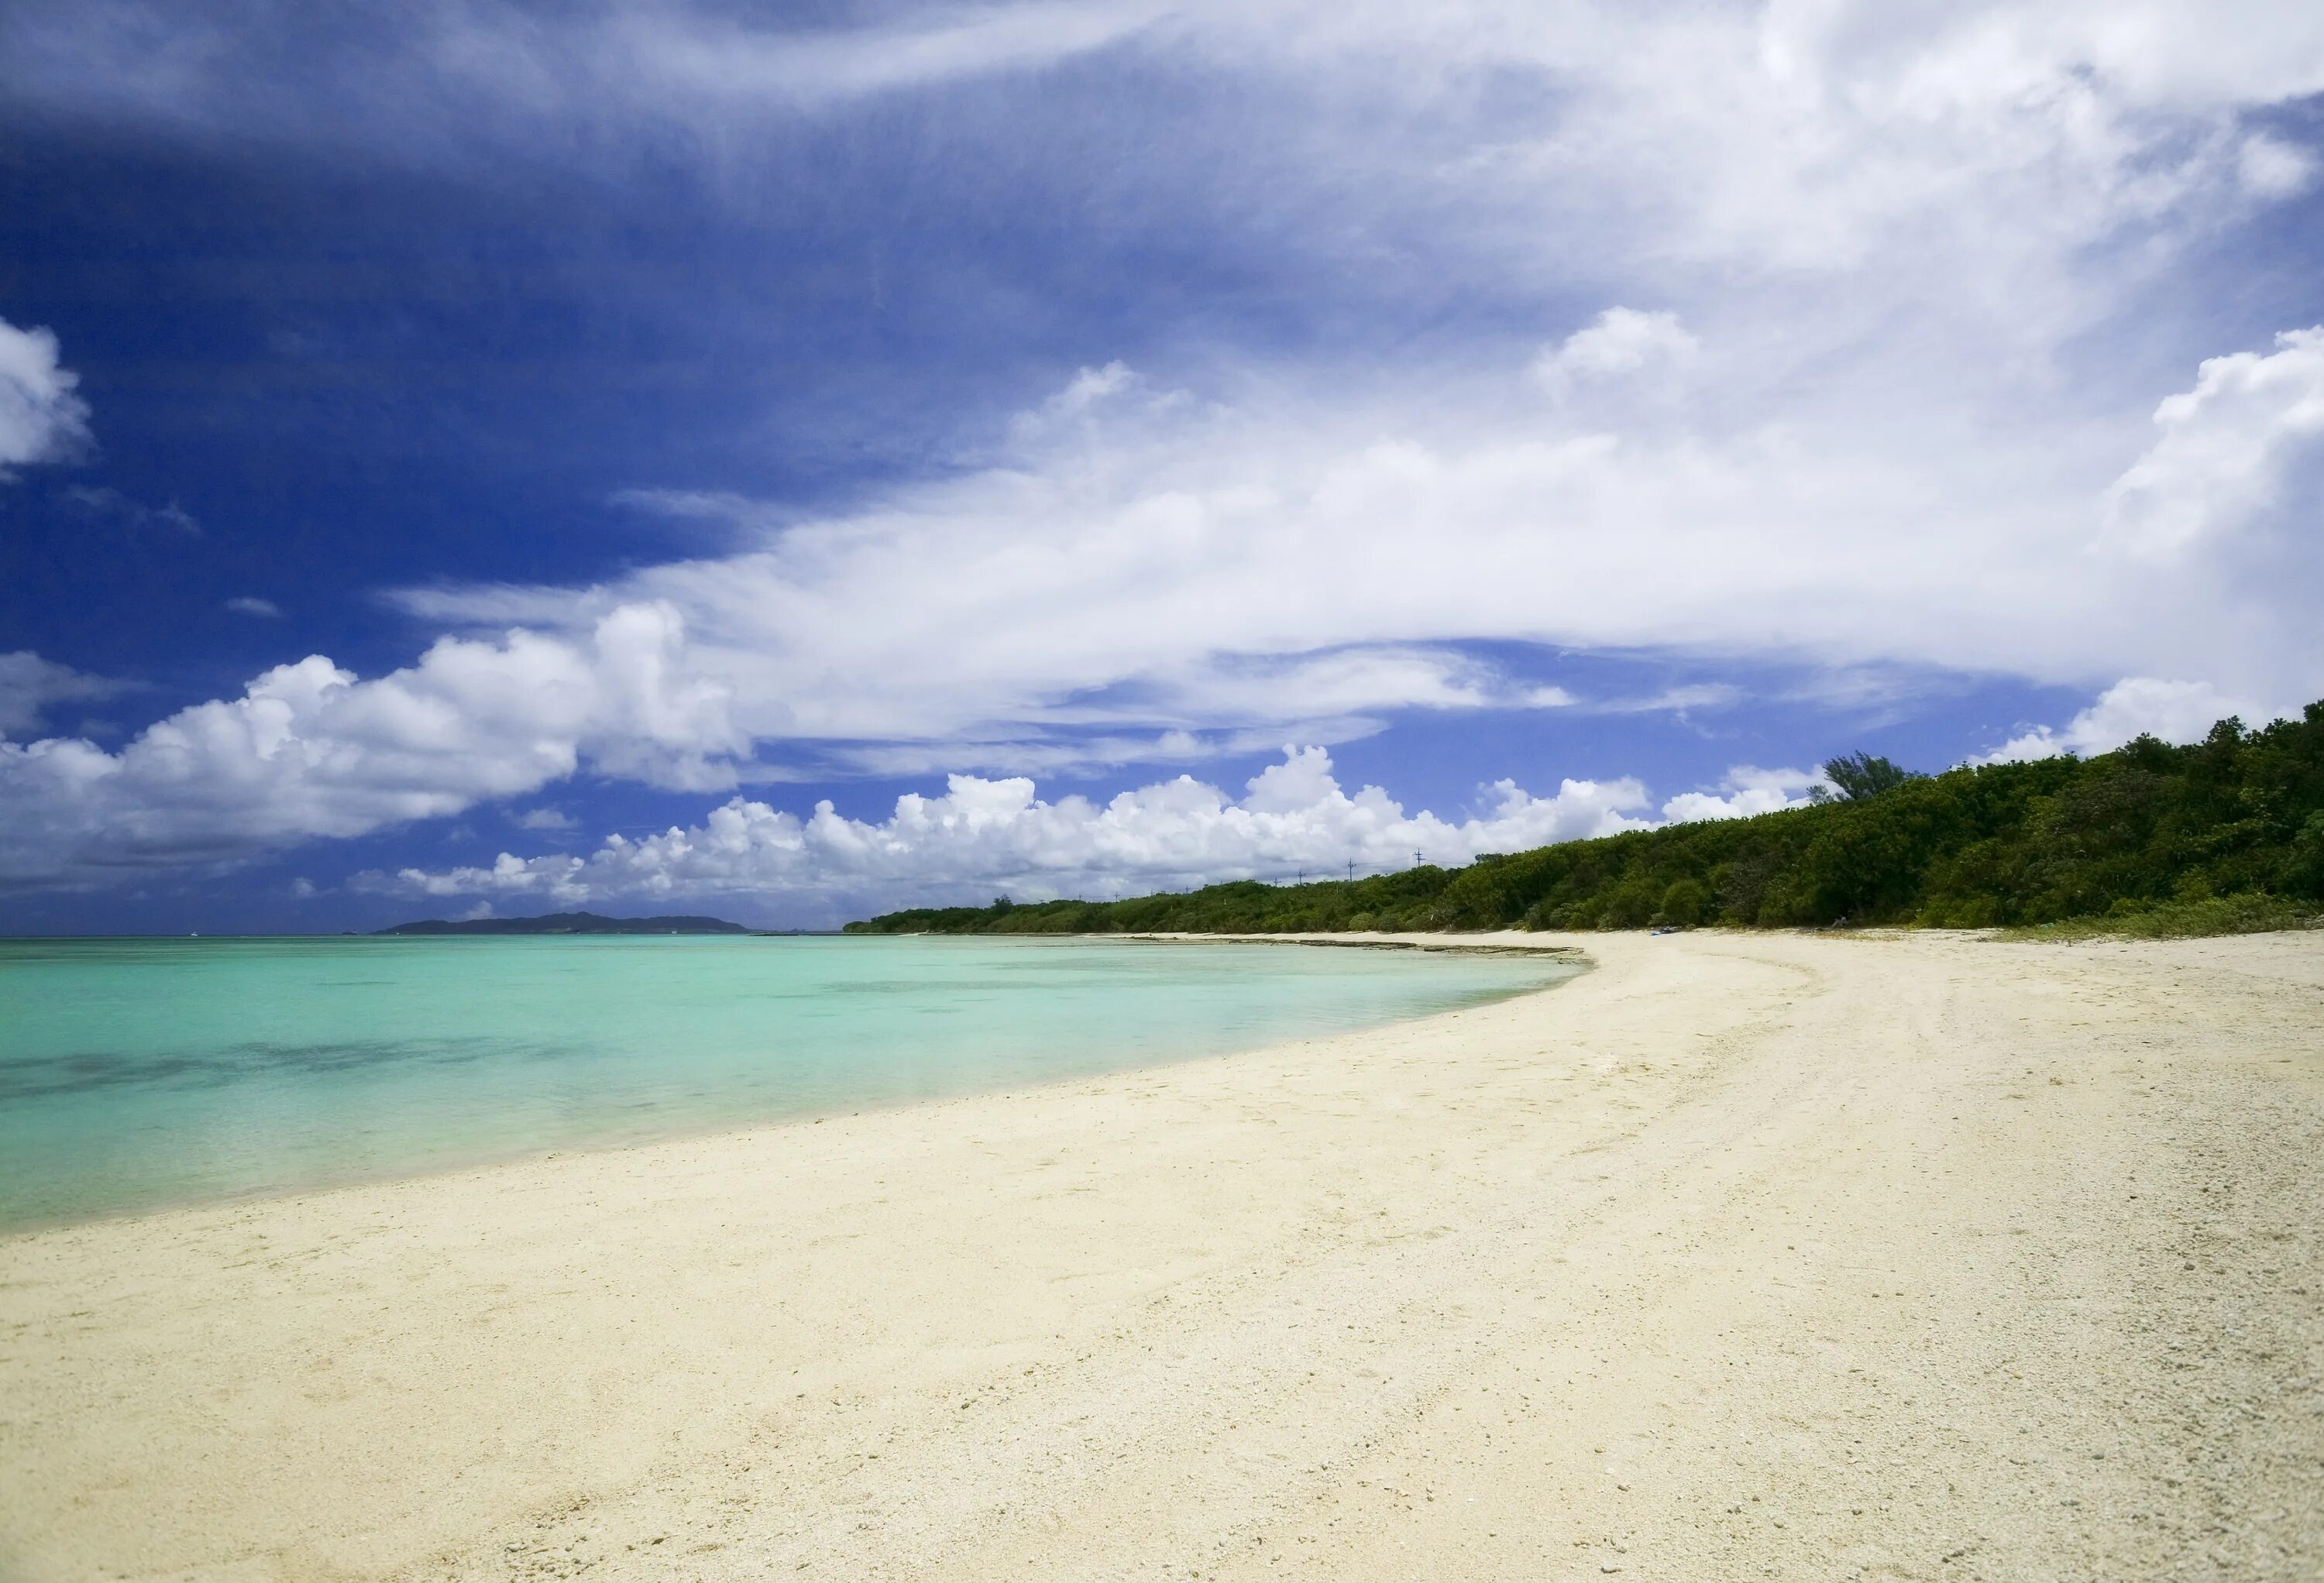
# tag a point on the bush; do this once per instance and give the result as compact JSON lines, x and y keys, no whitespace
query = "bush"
{"x":1682,"y":904}
{"x":2247,"y":913}
{"x":1629,"y":906}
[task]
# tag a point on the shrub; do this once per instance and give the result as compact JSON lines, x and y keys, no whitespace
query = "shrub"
{"x":1682,"y":904}
{"x":2249,"y":913}
{"x":1629,"y":906}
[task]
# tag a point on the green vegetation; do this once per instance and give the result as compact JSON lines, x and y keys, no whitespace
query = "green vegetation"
{"x":2153,"y":838}
{"x":2249,"y":913}
{"x":1860,"y":774}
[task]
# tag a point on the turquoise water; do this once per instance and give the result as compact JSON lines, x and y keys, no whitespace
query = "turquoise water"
{"x":139,"y":1073}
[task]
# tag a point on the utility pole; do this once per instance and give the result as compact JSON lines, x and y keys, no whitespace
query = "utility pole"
{"x":1415,"y":857}
{"x":1351,"y":871}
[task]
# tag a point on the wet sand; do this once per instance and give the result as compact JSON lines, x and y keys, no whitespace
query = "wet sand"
{"x":1739,"y":1257}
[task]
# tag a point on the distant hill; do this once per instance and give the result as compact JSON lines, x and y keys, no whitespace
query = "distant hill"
{"x":568,"y":923}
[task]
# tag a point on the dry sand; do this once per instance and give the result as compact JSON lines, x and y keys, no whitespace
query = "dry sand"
{"x":1740,"y":1257}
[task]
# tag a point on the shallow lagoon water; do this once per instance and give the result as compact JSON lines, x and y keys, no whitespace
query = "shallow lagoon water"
{"x":140,"y":1073}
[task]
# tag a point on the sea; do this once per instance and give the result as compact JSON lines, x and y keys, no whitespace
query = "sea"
{"x":140,"y":1074}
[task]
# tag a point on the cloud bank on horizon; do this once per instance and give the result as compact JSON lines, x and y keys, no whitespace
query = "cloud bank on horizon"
{"x":1831,"y":336}
{"x":1295,"y":821}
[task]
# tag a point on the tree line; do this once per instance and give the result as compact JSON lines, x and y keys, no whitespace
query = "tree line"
{"x":2150,"y":829}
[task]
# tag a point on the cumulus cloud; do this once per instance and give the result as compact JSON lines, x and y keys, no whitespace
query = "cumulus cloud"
{"x":2174,"y":712}
{"x":310,"y":751}
{"x":1746,"y":791}
{"x":2225,"y":446}
{"x":41,"y":418}
{"x":30,"y":685}
{"x":1292,"y":817}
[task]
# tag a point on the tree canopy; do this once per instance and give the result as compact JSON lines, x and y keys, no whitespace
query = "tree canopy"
{"x":2240,"y":814}
{"x":1860,"y":774}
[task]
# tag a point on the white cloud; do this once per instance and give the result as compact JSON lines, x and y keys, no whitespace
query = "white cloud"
{"x":2225,"y":447}
{"x":1214,"y":567}
{"x":1619,"y":341}
{"x":1747,"y":790}
{"x":490,"y":73}
{"x":2174,"y":712}
{"x":672,"y":58}
{"x":545,"y":819}
{"x":985,"y":833}
{"x":1880,"y":236}
{"x":1796,"y":135}
{"x":1146,"y":591}
{"x":41,"y":418}
{"x":2273,"y":170}
{"x":309,"y":750}
{"x":1680,"y":700}
{"x":250,"y":605}
{"x":30,"y":685}
{"x":1083,"y":395}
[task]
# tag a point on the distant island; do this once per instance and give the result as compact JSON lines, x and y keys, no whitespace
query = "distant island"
{"x":569,"y":924}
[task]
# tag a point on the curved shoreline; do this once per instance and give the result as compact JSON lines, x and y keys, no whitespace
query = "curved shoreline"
{"x":1738,"y":1253}
{"x":1439,"y":944}
{"x":1002,"y":1031}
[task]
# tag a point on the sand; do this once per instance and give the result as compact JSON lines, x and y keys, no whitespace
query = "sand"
{"x":1740,"y":1257}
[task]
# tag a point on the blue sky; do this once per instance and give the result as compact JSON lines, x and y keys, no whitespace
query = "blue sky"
{"x":516,"y":458}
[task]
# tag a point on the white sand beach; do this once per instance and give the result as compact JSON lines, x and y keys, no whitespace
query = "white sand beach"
{"x":1740,"y":1257}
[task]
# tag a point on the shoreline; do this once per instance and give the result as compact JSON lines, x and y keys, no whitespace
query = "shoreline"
{"x":614,"y":1142}
{"x":1736,"y":1253}
{"x":1439,"y":944}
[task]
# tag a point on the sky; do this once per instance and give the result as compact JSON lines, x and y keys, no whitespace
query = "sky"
{"x":790,"y":463}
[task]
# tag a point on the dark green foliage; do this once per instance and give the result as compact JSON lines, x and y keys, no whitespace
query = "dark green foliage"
{"x":1682,"y":905}
{"x":2150,"y":828}
{"x":2247,"y":914}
